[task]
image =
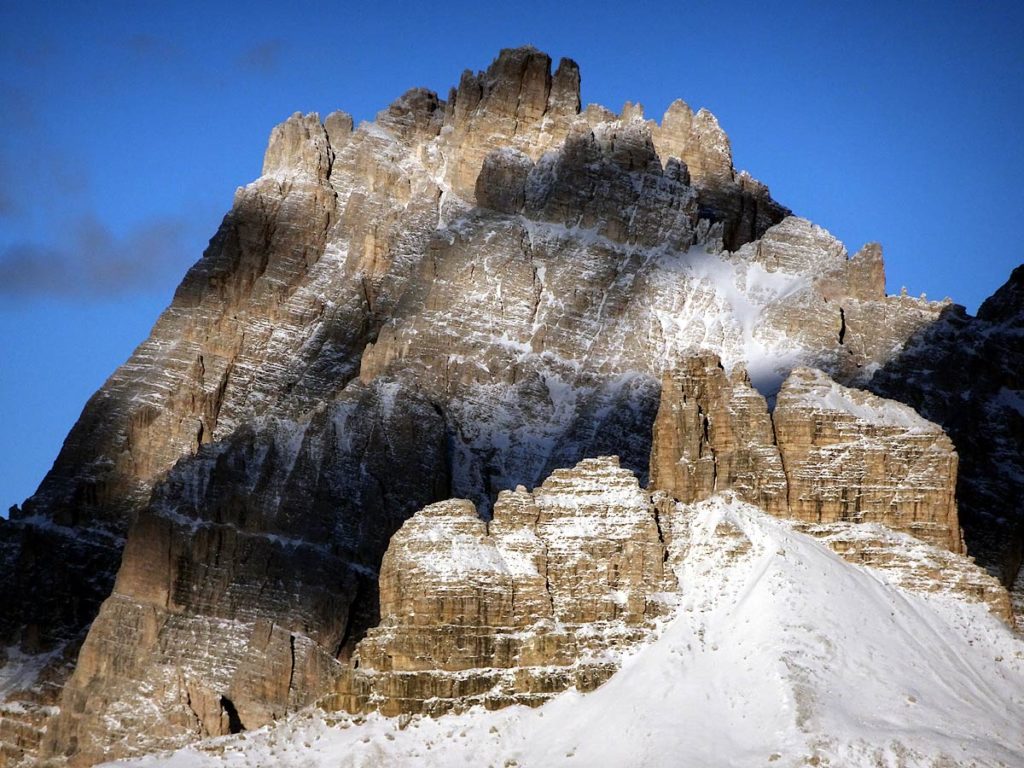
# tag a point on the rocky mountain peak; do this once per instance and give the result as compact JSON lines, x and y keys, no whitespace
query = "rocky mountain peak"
{"x":299,"y":146}
{"x":698,"y":140}
{"x":460,"y":298}
{"x":1006,"y":305}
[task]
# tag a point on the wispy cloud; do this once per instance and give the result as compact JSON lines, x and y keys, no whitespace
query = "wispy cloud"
{"x":93,"y":263}
{"x":263,"y":58}
{"x":152,"y":47}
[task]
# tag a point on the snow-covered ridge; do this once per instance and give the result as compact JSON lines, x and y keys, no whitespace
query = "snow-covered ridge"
{"x":826,"y":395}
{"x":780,"y":653}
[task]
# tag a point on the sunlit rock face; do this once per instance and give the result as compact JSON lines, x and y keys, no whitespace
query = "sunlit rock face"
{"x":459,"y":297}
{"x":827,"y":453}
{"x":562,"y":581}
{"x":850,"y":455}
{"x":713,"y":433}
{"x":518,"y":608}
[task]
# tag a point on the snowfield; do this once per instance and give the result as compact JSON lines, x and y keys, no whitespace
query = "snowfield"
{"x":779,"y":654}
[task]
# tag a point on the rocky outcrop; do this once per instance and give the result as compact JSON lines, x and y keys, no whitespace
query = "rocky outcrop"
{"x":551,"y":591}
{"x":233,"y":605}
{"x":913,"y":565}
{"x":516,"y":103}
{"x":850,"y":455}
{"x":698,"y":140}
{"x":518,"y":608}
{"x":827,"y":453}
{"x":966,"y":374}
{"x":712,"y":433}
{"x":845,"y":298}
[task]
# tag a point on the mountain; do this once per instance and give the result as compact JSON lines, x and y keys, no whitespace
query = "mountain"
{"x":462,"y":297}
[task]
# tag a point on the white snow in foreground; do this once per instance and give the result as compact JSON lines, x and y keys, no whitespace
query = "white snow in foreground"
{"x":776,"y":656}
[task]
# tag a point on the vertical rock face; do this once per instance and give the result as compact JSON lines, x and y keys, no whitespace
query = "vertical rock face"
{"x":518,"y":608}
{"x":827,"y":454}
{"x":698,"y":141}
{"x":713,"y":433}
{"x":243,"y":582}
{"x":966,"y":374}
{"x":459,"y":297}
{"x":516,"y":103}
{"x":851,"y":455}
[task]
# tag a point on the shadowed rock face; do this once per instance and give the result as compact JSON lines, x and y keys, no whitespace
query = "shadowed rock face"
{"x":967,"y":374}
{"x":457,"y":298}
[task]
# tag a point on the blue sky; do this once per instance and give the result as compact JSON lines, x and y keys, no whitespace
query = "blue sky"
{"x":127,"y":126}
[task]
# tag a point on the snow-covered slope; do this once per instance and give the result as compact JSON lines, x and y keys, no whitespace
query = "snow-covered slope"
{"x":780,"y":653}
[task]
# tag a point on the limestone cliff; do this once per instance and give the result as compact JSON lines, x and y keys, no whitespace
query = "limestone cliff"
{"x":713,"y":432}
{"x":967,"y":374}
{"x":850,"y":455}
{"x":562,"y":581}
{"x":826,"y":454}
{"x":513,"y":610}
{"x":517,"y":608}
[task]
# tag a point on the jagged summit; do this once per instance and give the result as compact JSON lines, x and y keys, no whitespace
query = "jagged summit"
{"x":457,"y":298}
{"x":517,"y":102}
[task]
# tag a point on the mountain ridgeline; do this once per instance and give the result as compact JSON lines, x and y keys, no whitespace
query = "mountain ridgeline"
{"x":465,"y":296}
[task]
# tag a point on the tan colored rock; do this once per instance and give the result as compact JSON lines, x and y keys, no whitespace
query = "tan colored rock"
{"x":841,"y":301}
{"x":797,"y":246}
{"x":853,"y":456}
{"x":827,"y":454}
{"x":299,"y":145}
{"x":696,"y":139}
{"x":234,"y":612}
{"x":360,"y":340}
{"x":518,"y":608}
{"x":713,"y":433}
{"x":514,"y":103}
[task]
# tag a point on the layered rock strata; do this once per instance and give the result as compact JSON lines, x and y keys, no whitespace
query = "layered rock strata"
{"x":911,"y":564}
{"x":454,"y":299}
{"x":826,"y":454}
{"x":967,"y":374}
{"x":713,"y":432}
{"x":515,"y":609}
{"x":562,"y":580}
{"x":850,"y":455}
{"x":235,"y":601}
